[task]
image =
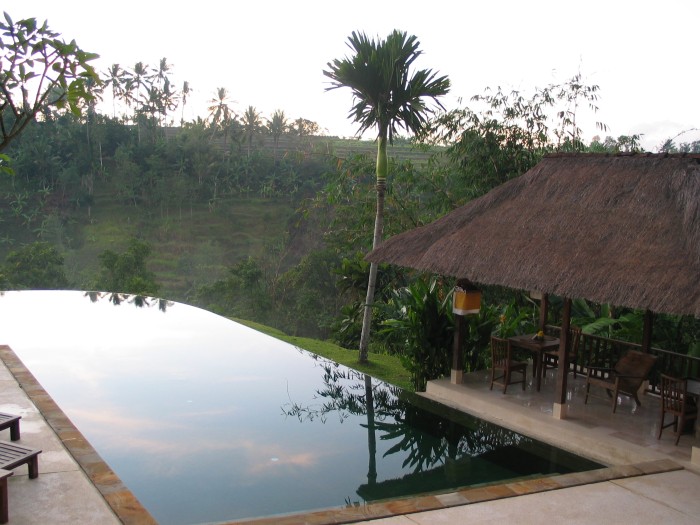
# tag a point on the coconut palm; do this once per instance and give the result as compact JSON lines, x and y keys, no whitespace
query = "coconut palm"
{"x":277,"y":126}
{"x":162,"y":93}
{"x":220,"y":112}
{"x":186,"y":89}
{"x":136,"y":83}
{"x":117,"y":78}
{"x":387,"y":94}
{"x":252,"y":124}
{"x":162,"y":72}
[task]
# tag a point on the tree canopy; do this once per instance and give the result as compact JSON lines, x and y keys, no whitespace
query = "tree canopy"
{"x":36,"y":266}
{"x":39,"y":72}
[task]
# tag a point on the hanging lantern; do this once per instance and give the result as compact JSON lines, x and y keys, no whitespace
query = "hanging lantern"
{"x":466,"y":299}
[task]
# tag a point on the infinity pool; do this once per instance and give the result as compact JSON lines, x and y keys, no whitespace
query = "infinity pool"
{"x":166,"y":392}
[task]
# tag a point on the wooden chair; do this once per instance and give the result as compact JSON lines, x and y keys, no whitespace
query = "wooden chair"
{"x":502,"y":360}
{"x":625,"y":378}
{"x":550,"y":357}
{"x":674,"y":401}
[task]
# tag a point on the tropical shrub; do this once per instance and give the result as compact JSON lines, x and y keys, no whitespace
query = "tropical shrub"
{"x":127,"y":272}
{"x":37,"y":266}
{"x":422,"y":324}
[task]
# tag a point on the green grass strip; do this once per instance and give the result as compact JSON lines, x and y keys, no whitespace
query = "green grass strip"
{"x":386,"y":367}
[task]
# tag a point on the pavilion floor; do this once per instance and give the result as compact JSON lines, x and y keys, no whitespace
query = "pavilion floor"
{"x":591,"y":430}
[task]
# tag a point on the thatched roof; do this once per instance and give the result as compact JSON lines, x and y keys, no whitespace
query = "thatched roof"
{"x":619,"y":229}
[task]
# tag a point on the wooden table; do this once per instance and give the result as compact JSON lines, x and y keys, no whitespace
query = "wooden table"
{"x":537,"y":348}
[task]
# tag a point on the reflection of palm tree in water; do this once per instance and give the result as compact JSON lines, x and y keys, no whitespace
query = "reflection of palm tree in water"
{"x":346,"y":401}
{"x":438,"y":448}
{"x":137,"y":300}
{"x":371,"y":434}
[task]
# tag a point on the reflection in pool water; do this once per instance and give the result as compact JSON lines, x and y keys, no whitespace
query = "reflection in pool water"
{"x":255,"y":425}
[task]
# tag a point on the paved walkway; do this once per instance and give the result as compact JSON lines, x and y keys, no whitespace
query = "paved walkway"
{"x":659,"y":498}
{"x":647,"y":482}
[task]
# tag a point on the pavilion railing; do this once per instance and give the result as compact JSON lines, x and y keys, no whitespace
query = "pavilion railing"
{"x":595,"y":350}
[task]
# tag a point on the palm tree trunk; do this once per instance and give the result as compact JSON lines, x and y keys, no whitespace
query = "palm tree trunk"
{"x":382,"y":168}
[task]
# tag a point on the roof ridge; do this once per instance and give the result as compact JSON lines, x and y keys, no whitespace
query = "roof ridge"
{"x":570,"y":154}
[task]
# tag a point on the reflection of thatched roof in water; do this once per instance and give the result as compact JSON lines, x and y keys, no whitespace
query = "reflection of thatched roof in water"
{"x":622,"y":229}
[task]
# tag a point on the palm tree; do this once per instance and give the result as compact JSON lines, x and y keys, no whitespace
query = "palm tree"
{"x":136,"y":85}
{"x":161,"y":73}
{"x":277,"y":125}
{"x":252,"y":123}
{"x":95,"y":89}
{"x":136,"y":92}
{"x":186,"y":89}
{"x":386,"y":95}
{"x":116,"y":77}
{"x":220,"y":111}
{"x":162,"y":93}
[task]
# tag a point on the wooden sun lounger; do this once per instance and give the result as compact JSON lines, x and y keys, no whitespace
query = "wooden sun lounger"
{"x":12,"y":455}
{"x":10,"y":421}
{"x":4,"y":514}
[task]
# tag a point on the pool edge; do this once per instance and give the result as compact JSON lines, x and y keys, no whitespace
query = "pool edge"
{"x":412,"y":505}
{"x":117,"y":495}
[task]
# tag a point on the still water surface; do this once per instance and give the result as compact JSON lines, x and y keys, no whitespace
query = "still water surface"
{"x":207,"y":420}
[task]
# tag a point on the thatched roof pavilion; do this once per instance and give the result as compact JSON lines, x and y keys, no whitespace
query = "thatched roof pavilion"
{"x":619,"y":229}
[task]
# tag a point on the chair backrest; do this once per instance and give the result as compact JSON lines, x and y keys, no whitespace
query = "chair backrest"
{"x":500,"y":351}
{"x":673,"y":393}
{"x":634,"y":363}
{"x":574,"y":339}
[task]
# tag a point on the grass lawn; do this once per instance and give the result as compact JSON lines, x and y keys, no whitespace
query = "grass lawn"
{"x":385,"y":367}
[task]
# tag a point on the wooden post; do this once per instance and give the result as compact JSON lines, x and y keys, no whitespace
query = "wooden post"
{"x":563,"y":360}
{"x":648,"y":330}
{"x":457,"y":353}
{"x":544,"y":307}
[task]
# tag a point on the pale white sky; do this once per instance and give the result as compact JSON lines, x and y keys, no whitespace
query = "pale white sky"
{"x":271,"y":54}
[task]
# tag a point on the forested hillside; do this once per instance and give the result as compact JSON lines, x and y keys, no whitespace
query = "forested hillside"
{"x":202,"y":200}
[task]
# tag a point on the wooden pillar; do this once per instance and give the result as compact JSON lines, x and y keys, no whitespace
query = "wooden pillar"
{"x":648,"y":330}
{"x":457,"y":353}
{"x":544,"y":307}
{"x":563,"y":360}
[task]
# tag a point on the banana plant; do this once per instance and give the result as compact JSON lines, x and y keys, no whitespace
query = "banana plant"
{"x":420,"y":319}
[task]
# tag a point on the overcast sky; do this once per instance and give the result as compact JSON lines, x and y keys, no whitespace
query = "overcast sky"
{"x":271,"y":54}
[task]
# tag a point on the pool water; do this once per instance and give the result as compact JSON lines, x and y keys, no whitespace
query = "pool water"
{"x":166,"y":392}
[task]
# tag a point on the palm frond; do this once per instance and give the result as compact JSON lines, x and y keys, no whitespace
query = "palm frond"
{"x":386,"y":92}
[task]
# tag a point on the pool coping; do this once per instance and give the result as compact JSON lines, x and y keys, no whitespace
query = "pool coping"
{"x":411,"y":505}
{"x":130,"y":511}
